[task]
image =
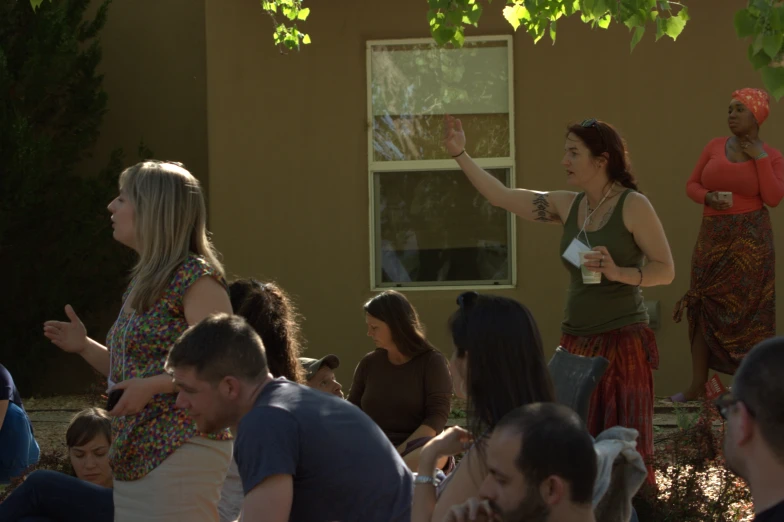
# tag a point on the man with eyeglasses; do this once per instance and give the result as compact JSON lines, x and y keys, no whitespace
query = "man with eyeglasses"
{"x":754,"y":434}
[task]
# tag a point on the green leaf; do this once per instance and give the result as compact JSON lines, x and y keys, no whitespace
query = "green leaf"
{"x":637,"y":19}
{"x":36,"y":4}
{"x":444,"y":35}
{"x":514,"y":14}
{"x":744,"y":23}
{"x":661,"y":27}
{"x":676,"y":23}
{"x":771,"y":43}
{"x":757,"y":44}
{"x":459,"y":38}
{"x":773,"y":77}
{"x":473,"y":15}
{"x":637,"y":36}
{"x":758,"y":59}
{"x":303,"y":14}
{"x":306,"y":39}
{"x":604,"y":22}
{"x":552,"y":31}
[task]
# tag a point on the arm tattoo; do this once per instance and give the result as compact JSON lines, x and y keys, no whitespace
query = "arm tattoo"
{"x":541,"y":206}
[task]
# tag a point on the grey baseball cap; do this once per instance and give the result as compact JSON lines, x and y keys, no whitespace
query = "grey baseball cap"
{"x":313,"y":365}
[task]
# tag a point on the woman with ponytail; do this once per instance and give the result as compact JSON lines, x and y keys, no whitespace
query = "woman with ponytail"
{"x":609,"y":218}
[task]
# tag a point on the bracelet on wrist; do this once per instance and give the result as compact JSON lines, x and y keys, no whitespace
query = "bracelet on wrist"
{"x":457,"y":156}
{"x":640,"y":271}
{"x":424,"y":479}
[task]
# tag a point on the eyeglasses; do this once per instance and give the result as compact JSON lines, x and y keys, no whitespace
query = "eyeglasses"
{"x":726,"y":401}
{"x":466,"y":300}
{"x":593,"y":123}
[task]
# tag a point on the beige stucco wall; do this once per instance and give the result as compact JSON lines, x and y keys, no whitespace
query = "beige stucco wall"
{"x":154,"y":69}
{"x":288,"y":161}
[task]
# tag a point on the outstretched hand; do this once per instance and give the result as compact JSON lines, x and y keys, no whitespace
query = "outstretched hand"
{"x":454,"y":137}
{"x":70,"y":336}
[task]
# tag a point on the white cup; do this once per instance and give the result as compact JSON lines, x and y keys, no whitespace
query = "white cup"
{"x":589,"y":277}
{"x":725,"y":196}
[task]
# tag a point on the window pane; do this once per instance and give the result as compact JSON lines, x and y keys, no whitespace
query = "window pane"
{"x":413,"y":86}
{"x":434,"y":227}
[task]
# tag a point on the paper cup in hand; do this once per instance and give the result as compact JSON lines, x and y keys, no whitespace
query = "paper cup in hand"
{"x":589,"y":277}
{"x":726,"y":196}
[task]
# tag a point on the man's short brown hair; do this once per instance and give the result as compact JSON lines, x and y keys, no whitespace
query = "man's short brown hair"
{"x":219,"y":346}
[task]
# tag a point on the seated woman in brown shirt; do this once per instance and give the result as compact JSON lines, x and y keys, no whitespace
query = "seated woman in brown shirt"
{"x":404,"y":385}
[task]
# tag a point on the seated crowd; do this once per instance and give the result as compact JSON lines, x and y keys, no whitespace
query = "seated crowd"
{"x":307,"y":454}
{"x":215,"y":415}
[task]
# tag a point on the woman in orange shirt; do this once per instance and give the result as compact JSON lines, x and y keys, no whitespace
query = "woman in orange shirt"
{"x":731,"y":302}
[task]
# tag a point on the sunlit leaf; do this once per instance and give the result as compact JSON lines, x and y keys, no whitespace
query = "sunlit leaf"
{"x":675,"y":24}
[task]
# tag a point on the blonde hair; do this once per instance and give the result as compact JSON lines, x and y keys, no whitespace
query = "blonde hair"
{"x":170,"y":222}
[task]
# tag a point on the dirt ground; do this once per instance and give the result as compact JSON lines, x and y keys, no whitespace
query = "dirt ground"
{"x":50,"y":417}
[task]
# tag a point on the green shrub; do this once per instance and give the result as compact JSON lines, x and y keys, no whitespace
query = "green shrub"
{"x":55,"y":235}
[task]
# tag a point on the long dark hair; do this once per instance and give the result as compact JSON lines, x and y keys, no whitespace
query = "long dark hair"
{"x":601,"y":137}
{"x":505,"y":366}
{"x":270,"y":311}
{"x":408,"y":332}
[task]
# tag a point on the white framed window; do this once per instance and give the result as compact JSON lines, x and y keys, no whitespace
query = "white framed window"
{"x":429,"y":227}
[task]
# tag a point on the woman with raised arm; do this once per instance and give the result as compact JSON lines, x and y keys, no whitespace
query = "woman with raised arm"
{"x":618,"y":228}
{"x":732,"y":302}
{"x":164,"y":469}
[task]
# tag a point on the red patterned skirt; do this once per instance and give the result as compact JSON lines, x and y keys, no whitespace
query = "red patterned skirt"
{"x":733,"y":279}
{"x":624,"y":395}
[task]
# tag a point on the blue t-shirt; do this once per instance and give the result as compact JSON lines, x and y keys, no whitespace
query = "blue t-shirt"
{"x":343,"y":466}
{"x":8,"y":391}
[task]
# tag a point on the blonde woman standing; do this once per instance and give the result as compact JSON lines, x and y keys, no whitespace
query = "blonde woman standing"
{"x":164,"y":469}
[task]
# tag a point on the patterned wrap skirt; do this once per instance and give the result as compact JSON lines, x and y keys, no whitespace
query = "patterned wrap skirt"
{"x":732,"y":294}
{"x":624,"y":395}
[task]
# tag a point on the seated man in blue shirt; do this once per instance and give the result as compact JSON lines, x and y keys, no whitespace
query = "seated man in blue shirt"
{"x":303,"y":455}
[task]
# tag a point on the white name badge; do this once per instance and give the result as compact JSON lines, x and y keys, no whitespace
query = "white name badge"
{"x":572,"y":254}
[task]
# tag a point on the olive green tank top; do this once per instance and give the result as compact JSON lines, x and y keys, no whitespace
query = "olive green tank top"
{"x":600,"y":308}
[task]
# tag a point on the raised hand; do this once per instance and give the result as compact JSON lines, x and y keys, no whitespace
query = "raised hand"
{"x":751,"y":147}
{"x":69,"y":336}
{"x":454,"y":137}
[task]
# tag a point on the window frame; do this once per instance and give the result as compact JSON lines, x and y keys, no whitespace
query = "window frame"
{"x":446,"y":164}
